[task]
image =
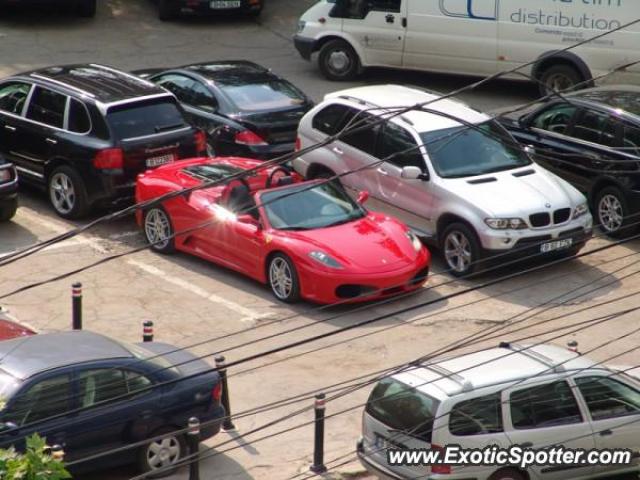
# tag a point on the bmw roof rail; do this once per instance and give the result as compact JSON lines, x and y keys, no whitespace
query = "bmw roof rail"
{"x":532,"y":354}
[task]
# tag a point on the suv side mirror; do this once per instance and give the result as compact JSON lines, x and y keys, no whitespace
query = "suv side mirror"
{"x":363,"y":196}
{"x":414,"y":173}
{"x":248,"y":219}
{"x":9,"y":426}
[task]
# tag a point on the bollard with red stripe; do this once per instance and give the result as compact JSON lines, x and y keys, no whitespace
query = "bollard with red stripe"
{"x":76,"y":305}
{"x":227,"y":424}
{"x":193,"y":441}
{"x":147,"y":331}
{"x":318,"y":448}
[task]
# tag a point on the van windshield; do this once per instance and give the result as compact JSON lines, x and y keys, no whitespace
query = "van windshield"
{"x":465,"y":151}
{"x":403,"y":408}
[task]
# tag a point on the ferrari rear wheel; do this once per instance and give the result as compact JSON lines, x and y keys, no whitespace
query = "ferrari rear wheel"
{"x":283,"y":279}
{"x":158,"y":230}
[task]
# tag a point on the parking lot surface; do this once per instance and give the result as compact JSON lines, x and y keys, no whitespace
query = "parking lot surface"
{"x":192,"y":301}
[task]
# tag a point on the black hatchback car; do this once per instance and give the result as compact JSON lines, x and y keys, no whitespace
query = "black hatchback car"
{"x":246,"y":109}
{"x":93,"y":394}
{"x":84,"y":132}
{"x":8,"y":190}
{"x":592,"y":140}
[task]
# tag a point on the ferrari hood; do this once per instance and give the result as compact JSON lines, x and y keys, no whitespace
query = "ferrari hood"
{"x":371,"y":244}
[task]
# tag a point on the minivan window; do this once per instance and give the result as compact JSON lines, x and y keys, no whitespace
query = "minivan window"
{"x":608,"y":398}
{"x":403,"y":408}
{"x":79,"y":121}
{"x":47,"y":106}
{"x":13,"y":96}
{"x":465,"y":151}
{"x":544,"y":406}
{"x":138,"y":119}
{"x":399,"y":144}
{"x":477,"y":416}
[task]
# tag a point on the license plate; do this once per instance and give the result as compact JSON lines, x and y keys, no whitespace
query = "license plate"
{"x":160,"y":160}
{"x":222,"y":4}
{"x":557,"y":245}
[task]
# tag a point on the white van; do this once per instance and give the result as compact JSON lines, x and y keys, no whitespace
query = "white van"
{"x":473,"y":37}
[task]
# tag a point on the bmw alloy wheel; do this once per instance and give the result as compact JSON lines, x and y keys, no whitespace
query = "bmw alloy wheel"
{"x":157,"y":228}
{"x":62,"y":193}
{"x":163,"y":453}
{"x":457,"y":251}
{"x":281,"y":278}
{"x":610,"y":213}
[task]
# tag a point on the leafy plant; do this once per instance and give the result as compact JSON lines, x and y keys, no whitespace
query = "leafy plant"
{"x":36,"y":463}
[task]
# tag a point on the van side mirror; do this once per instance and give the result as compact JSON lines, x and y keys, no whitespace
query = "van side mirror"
{"x":363,"y":196}
{"x":414,"y":173}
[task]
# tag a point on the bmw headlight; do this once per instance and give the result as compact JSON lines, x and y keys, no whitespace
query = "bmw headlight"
{"x":506,"y":223}
{"x":324,"y":259}
{"x":415,"y":241}
{"x":301,"y":25}
{"x":580,"y":210}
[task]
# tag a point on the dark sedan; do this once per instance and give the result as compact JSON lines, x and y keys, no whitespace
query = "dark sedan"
{"x":8,"y":190}
{"x":93,"y":394}
{"x":246,"y":110}
{"x":592,"y":140}
{"x":169,"y":9}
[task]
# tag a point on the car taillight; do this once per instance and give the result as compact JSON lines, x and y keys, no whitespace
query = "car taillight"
{"x":110,"y":158}
{"x":440,"y":469}
{"x":216,"y":393}
{"x":5,"y":174}
{"x":298,"y":146}
{"x":200,"y":139}
{"x":247,"y":137}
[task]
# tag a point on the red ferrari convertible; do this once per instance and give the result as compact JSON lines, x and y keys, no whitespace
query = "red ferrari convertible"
{"x":304,"y":239}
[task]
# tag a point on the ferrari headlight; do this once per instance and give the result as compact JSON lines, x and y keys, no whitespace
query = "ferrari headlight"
{"x":580,"y":210}
{"x":325,"y":259}
{"x":506,"y":223}
{"x":415,"y":241}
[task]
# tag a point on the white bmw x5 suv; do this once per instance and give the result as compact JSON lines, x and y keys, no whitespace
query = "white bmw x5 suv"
{"x":453,"y":174}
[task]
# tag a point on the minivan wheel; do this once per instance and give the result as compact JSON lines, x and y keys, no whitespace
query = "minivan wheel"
{"x":507,"y":474}
{"x":67,"y":193}
{"x":338,"y":61}
{"x":461,"y":249}
{"x":160,"y":456}
{"x":283,"y":278}
{"x":158,"y":230}
{"x":559,"y":78}
{"x":612,"y":213}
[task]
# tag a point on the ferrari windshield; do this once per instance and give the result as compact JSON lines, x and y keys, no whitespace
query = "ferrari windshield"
{"x":468,"y":151}
{"x":303,"y":208}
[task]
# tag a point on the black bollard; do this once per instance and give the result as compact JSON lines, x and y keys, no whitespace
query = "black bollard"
{"x":193,"y":439}
{"x":227,"y":424}
{"x":147,"y":331}
{"x":76,"y":305}
{"x":318,"y":447}
{"x":57,"y":453}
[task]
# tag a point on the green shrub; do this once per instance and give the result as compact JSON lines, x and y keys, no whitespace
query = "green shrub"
{"x":34,"y":464}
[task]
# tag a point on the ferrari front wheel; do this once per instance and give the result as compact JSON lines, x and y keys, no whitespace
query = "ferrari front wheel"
{"x":283,"y":278}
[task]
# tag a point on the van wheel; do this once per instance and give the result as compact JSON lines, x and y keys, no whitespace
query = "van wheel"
{"x":559,"y":78}
{"x":507,"y":474}
{"x":338,"y":61}
{"x":461,"y":249}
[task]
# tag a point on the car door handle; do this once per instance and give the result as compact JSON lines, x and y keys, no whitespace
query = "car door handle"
{"x":10,"y":128}
{"x":52,"y":141}
{"x":606,"y":433}
{"x":382,"y":171}
{"x":390,"y":18}
{"x":338,"y":151}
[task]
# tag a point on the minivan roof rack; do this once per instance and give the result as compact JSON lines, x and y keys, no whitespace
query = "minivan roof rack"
{"x":466,"y":385}
{"x":532,"y":354}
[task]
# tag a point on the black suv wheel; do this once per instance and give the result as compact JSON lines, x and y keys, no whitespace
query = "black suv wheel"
{"x":67,"y":193}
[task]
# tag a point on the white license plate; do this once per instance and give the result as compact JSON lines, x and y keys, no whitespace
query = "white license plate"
{"x":557,"y":245}
{"x":222,"y":4}
{"x":160,"y":160}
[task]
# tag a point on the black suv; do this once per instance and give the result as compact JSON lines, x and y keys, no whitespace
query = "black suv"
{"x":246,"y":109}
{"x":8,"y":190}
{"x":592,"y":140}
{"x":85,"y":132}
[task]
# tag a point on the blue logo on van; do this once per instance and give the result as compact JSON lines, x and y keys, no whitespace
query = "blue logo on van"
{"x":475,"y":9}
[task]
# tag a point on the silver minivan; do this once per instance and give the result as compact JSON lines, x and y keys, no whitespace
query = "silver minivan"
{"x":534,"y":397}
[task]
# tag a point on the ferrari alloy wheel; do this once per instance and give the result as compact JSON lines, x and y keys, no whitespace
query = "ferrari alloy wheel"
{"x":158,"y":230}
{"x":283,"y":279}
{"x":461,"y":249}
{"x":159,"y":456}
